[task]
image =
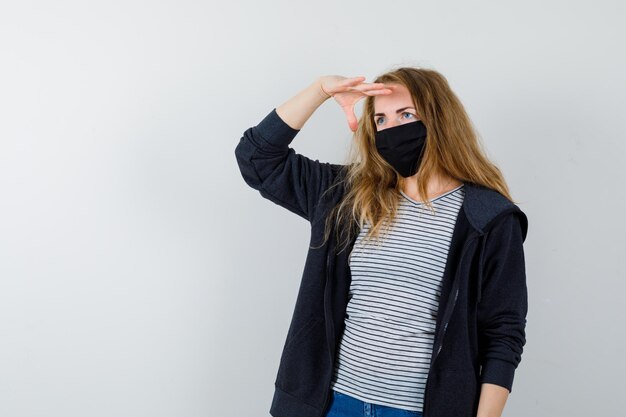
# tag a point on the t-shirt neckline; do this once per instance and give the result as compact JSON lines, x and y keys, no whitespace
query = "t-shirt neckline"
{"x":432,"y":200}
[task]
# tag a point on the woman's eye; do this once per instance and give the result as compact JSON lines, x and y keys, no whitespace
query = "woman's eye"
{"x":410,"y":114}
{"x":379,"y":119}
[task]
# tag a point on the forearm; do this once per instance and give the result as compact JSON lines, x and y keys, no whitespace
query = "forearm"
{"x":492,"y":400}
{"x":298,"y":109}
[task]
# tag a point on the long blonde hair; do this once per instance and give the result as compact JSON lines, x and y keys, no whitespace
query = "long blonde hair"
{"x":372,"y":187}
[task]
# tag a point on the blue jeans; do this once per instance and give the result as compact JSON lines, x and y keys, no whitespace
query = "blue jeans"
{"x":342,"y":405}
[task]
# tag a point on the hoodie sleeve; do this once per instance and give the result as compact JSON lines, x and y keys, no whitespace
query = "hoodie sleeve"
{"x":281,"y":175}
{"x":503,"y":303}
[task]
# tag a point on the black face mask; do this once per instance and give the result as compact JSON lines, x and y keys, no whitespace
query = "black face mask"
{"x":402,"y":146}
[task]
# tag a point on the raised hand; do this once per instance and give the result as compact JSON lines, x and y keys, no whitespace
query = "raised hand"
{"x":348,"y":91}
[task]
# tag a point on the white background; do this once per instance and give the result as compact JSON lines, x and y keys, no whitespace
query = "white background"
{"x":141,"y":276}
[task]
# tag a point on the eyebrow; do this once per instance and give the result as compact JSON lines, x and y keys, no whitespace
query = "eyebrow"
{"x":397,"y":111}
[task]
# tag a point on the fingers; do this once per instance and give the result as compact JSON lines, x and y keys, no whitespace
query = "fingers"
{"x":375,"y":92}
{"x":372,"y":86}
{"x":352,"y":121}
{"x":350,"y":82}
{"x":354,"y":124}
{"x":356,"y":84}
{"x":345,"y":84}
{"x":353,"y":80}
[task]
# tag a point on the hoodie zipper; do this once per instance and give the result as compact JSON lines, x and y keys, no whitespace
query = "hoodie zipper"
{"x":332,"y":326}
{"x":449,"y":311}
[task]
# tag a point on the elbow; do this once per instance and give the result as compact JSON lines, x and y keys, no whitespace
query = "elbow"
{"x":243,"y":157}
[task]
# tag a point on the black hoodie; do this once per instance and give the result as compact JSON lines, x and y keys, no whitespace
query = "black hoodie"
{"x":481,"y":319}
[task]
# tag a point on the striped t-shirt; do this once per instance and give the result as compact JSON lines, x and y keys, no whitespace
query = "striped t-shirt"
{"x":385,"y":350}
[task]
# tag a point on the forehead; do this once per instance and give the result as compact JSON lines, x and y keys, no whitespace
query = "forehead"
{"x":399,"y":98}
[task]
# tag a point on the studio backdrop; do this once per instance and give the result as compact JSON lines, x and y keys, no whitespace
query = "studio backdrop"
{"x":140,"y":276}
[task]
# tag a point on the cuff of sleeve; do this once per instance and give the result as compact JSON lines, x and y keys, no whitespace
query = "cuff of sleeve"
{"x":275,"y":131}
{"x":498,"y":372}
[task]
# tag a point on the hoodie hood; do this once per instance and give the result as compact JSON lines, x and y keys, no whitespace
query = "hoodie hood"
{"x":483,"y":206}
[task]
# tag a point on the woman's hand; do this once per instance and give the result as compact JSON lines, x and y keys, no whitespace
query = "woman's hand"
{"x":347,"y":91}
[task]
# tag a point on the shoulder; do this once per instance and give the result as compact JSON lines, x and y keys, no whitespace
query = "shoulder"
{"x":486,"y":208}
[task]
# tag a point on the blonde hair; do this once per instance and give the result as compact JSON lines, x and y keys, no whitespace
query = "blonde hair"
{"x":453,"y":148}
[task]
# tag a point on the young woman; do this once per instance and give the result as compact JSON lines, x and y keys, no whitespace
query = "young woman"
{"x":413,"y":298}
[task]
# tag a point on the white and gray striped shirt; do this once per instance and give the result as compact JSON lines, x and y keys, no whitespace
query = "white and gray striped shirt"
{"x":385,"y":350}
